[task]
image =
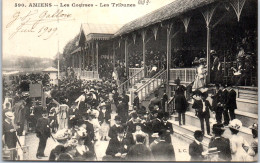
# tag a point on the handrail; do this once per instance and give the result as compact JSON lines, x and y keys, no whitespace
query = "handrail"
{"x":132,"y":80}
{"x":151,"y":85}
{"x":150,"y":80}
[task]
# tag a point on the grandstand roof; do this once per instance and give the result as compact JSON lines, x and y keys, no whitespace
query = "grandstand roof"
{"x":169,"y":11}
{"x":98,"y":31}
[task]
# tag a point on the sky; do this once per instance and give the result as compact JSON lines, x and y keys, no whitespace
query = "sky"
{"x":43,"y":31}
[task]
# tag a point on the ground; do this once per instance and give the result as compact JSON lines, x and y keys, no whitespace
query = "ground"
{"x":180,"y":148}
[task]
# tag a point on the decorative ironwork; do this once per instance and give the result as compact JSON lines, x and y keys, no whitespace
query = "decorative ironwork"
{"x":208,"y":13}
{"x":155,"y":31}
{"x":134,"y":37}
{"x":186,"y":21}
{"x":238,"y":7}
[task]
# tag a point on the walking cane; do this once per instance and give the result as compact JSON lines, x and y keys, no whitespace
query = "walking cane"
{"x":19,"y":143}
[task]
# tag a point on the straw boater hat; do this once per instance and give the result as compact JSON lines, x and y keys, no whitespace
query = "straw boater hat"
{"x":235,"y":124}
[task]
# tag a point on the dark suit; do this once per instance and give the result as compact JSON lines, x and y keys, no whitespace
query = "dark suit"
{"x":112,"y":133}
{"x":43,"y":133}
{"x":223,"y":145}
{"x":195,"y":151}
{"x":104,"y":117}
{"x":139,"y":152}
{"x":168,"y":126}
{"x":115,"y":146}
{"x":163,"y":151}
{"x":216,"y":105}
{"x":10,"y":137}
{"x":122,"y":111}
{"x":198,"y":105}
{"x":136,"y":102}
{"x":231,"y":104}
{"x":224,"y":100}
{"x":90,"y":137}
{"x":164,"y":102}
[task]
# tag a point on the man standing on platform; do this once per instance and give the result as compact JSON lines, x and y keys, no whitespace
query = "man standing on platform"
{"x":136,"y":101}
{"x":231,"y":103}
{"x":203,"y":106}
{"x":43,"y":133}
{"x":217,"y":104}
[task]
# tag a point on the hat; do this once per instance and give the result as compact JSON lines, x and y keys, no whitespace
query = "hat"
{"x":118,"y":118}
{"x":218,"y":127}
{"x":9,"y":115}
{"x":155,"y":135}
{"x":254,"y":126}
{"x":213,"y":52}
{"x":202,"y":60}
{"x":235,"y":124}
{"x":102,"y":104}
{"x":92,"y":90}
{"x":177,"y":81}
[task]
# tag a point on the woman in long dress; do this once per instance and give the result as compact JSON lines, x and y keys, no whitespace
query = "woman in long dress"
{"x":199,"y":81}
{"x":238,"y":144}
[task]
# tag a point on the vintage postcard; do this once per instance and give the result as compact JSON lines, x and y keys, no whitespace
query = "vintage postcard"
{"x":130,"y":80}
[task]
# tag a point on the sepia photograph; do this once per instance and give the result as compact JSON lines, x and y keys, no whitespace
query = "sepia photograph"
{"x":130,"y":80}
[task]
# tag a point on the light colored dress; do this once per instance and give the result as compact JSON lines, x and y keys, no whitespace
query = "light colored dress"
{"x":238,"y":153}
{"x":63,"y":116}
{"x":199,"y":81}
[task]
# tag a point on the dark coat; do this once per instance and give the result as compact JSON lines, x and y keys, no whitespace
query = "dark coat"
{"x":180,"y":103}
{"x":231,"y":100}
{"x":136,"y":102}
{"x":217,"y":98}
{"x":223,"y":145}
{"x":43,"y":128}
{"x":168,"y":126}
{"x":122,"y":111}
{"x":104,"y":117}
{"x":10,"y":137}
{"x":195,"y":151}
{"x":115,"y":147}
{"x":199,"y":106}
{"x":163,"y":151}
{"x":139,"y":152}
{"x":112,"y":133}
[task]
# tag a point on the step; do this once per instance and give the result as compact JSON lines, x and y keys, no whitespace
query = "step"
{"x":245,"y":117}
{"x":193,"y":120}
{"x":246,"y":105}
{"x":186,"y":132}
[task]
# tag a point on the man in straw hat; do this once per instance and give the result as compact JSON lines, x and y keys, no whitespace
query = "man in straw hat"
{"x":9,"y":131}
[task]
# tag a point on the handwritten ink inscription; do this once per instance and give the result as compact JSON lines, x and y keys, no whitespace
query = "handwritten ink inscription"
{"x":41,"y":23}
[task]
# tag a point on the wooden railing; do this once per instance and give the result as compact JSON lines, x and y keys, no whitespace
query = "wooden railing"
{"x":86,"y":74}
{"x":171,"y":106}
{"x":186,"y":75}
{"x":133,"y":71}
{"x":131,"y":81}
{"x":151,"y":85}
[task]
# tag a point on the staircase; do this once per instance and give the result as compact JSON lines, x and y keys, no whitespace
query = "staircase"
{"x":143,"y":86}
{"x":132,"y":81}
{"x":247,"y":112}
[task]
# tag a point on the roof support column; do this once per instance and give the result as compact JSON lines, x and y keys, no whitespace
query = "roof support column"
{"x":97,"y":54}
{"x":126,"y":57}
{"x":169,"y":43}
{"x":208,"y":14}
{"x":143,"y":33}
{"x":92,"y":58}
{"x":114,"y":55}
